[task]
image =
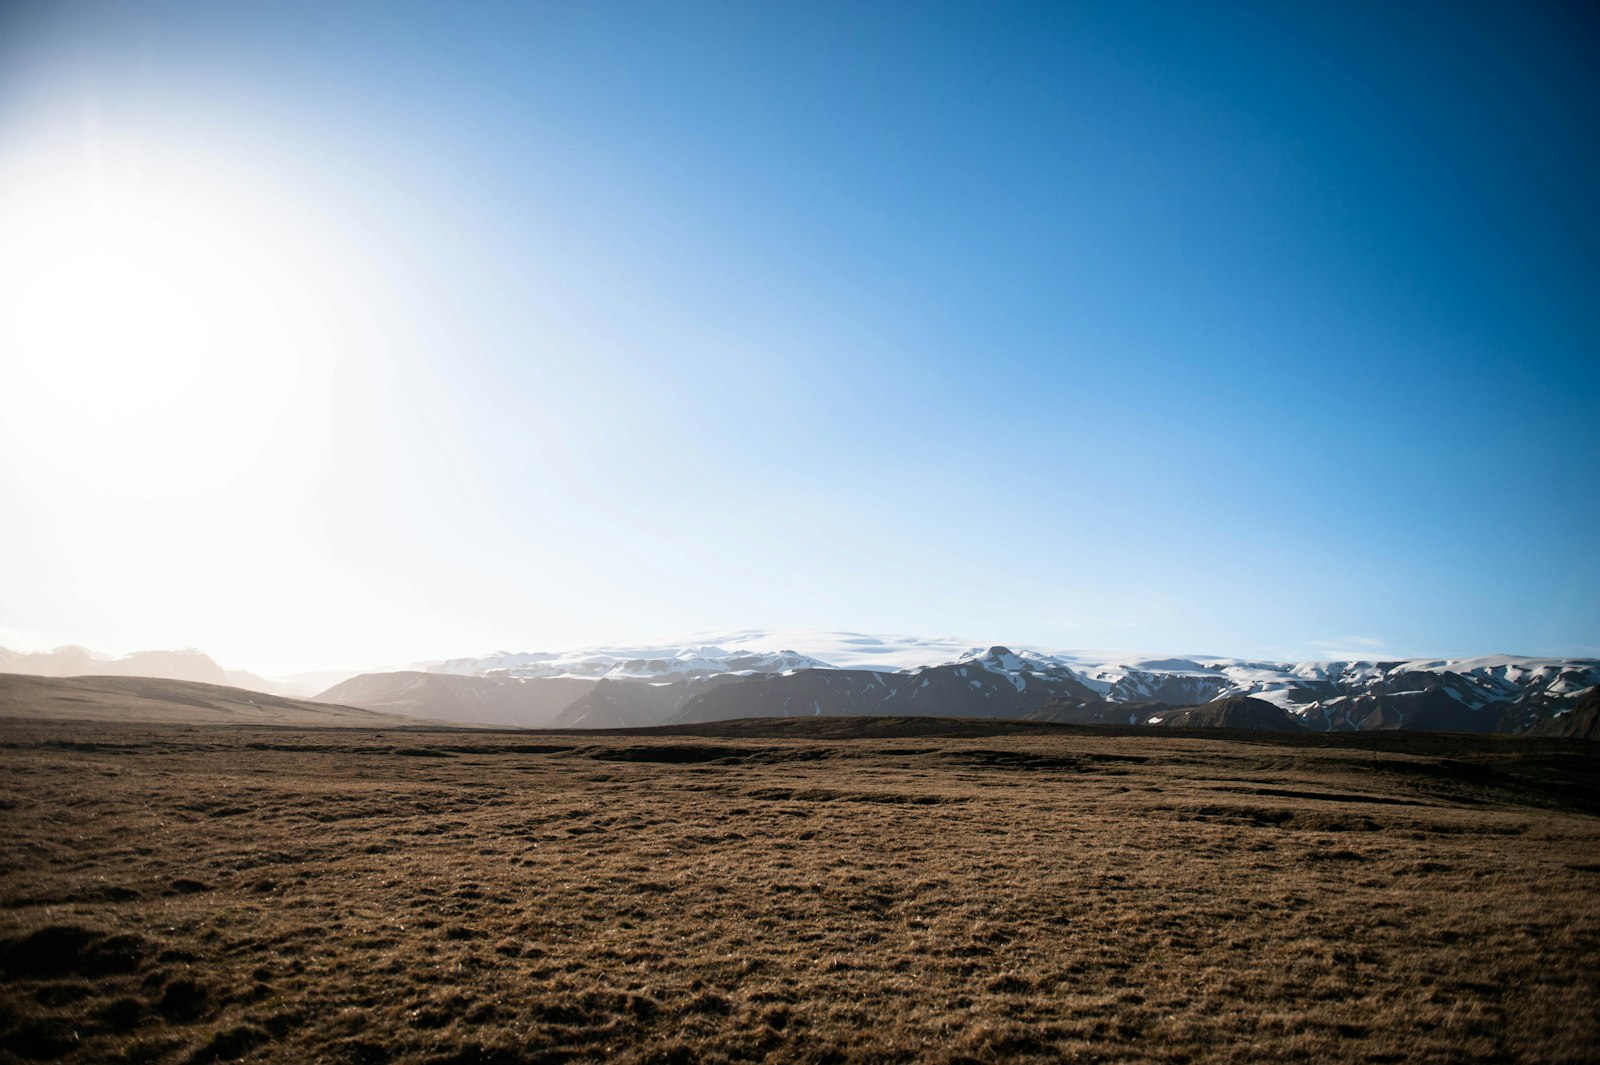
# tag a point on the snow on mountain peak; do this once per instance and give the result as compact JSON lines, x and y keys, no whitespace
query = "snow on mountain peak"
{"x":1116,"y":677}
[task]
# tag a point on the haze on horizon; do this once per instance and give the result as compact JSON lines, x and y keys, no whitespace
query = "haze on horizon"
{"x":358,"y":334}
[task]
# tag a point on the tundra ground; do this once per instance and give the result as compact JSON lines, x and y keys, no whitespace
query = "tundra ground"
{"x":852,"y":892}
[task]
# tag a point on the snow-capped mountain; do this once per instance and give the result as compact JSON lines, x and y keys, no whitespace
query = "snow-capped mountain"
{"x":761,"y":673}
{"x":1490,"y":694}
{"x":649,"y":663}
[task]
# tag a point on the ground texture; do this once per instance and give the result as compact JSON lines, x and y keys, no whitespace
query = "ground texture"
{"x":853,"y":893}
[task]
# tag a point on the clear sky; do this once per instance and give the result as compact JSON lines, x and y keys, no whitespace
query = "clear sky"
{"x":338,"y":335}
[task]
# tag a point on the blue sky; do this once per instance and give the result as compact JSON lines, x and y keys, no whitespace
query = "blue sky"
{"x":1251,"y":329}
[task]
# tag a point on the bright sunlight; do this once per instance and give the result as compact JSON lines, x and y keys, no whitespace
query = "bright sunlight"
{"x":158,"y":324}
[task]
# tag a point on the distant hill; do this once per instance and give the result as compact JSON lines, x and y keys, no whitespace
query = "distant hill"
{"x":636,"y":703}
{"x":188,"y":664}
{"x":308,"y":684}
{"x":521,"y":703}
{"x":1096,"y":712}
{"x":81,"y":662}
{"x":164,"y":701}
{"x":1236,"y":712}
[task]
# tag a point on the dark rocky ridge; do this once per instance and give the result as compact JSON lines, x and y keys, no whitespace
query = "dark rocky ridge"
{"x":956,"y":690}
{"x":1581,"y":722}
{"x":1235,"y":712}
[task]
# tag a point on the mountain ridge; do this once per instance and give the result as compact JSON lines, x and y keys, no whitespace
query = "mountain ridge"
{"x":668,"y":683}
{"x":716,"y":677}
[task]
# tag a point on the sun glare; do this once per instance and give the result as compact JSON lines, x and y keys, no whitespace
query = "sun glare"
{"x":154,"y":334}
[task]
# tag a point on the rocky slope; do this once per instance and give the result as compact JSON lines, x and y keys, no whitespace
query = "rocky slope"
{"x":1581,"y":722}
{"x":1233,"y":711}
{"x":492,"y":700}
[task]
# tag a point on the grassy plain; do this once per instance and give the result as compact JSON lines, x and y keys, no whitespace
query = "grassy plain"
{"x":872,"y":891}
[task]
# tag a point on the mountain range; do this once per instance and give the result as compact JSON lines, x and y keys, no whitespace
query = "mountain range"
{"x":752,"y":673}
{"x":187,"y":664}
{"x":761,"y":673}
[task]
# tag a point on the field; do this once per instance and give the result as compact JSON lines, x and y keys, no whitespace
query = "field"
{"x":825,"y":891}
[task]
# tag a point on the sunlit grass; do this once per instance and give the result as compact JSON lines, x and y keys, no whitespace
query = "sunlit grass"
{"x":469,"y":898}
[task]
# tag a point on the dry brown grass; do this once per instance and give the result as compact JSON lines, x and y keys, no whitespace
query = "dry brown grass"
{"x":171,"y":894}
{"x":157,"y":700}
